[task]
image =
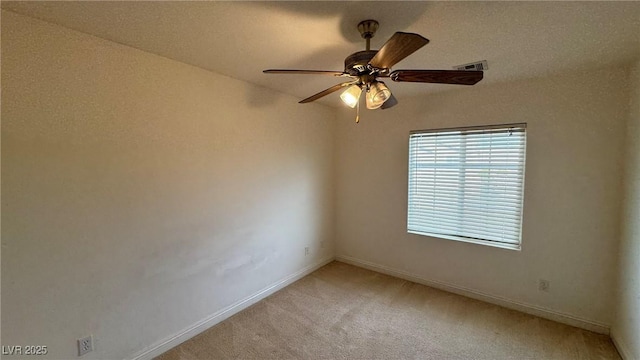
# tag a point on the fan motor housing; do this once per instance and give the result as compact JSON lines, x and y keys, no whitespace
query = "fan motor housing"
{"x":356,"y":63}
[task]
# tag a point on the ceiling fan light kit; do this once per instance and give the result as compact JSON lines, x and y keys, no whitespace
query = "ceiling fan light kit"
{"x":377,"y":94}
{"x":351,"y":96}
{"x":364,"y":67}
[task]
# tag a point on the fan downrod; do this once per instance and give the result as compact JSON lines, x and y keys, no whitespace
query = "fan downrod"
{"x":367,"y":29}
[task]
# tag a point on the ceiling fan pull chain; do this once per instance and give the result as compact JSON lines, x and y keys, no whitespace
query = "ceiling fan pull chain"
{"x":358,"y":112}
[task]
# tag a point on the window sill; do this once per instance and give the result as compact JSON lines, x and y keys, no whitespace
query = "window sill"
{"x":515,"y":247}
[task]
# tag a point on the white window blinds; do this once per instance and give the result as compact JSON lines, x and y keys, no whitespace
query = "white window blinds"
{"x":467,"y":184}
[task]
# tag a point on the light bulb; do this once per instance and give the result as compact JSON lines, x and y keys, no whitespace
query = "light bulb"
{"x":377,"y":94}
{"x":351,"y":95}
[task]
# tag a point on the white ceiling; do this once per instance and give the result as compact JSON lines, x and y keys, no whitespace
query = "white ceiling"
{"x":240,"y":39}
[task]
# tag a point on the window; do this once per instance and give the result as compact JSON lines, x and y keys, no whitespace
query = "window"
{"x":466,"y":184}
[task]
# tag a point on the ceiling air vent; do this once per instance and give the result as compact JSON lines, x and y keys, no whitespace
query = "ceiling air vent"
{"x":478,"y":66}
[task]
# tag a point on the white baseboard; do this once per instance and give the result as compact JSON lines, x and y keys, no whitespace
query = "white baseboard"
{"x":500,"y":301}
{"x":623,"y":350}
{"x":219,"y":316}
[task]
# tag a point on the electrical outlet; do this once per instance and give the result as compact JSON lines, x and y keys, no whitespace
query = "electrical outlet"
{"x":306,"y":251}
{"x":543,"y":285}
{"x":85,"y":345}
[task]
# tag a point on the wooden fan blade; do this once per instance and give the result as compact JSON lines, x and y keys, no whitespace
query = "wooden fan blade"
{"x":391,"y":102}
{"x":456,"y":77}
{"x":398,"y":47}
{"x":304,"y":72}
{"x":325,"y":92}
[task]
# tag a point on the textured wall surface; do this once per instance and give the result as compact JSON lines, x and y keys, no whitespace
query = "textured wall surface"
{"x":627,"y":325}
{"x":141,"y":195}
{"x":575,"y":136}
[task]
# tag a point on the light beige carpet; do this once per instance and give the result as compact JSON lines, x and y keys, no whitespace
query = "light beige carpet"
{"x":345,"y":312}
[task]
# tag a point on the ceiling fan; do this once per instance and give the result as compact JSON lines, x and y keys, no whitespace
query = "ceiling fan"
{"x":363,"y":68}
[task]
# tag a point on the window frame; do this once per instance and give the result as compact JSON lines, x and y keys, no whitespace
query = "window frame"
{"x":521,"y":127}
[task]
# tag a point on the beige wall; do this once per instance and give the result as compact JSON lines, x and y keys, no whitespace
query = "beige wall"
{"x":627,"y":323}
{"x":141,"y":195}
{"x":572,"y":192}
